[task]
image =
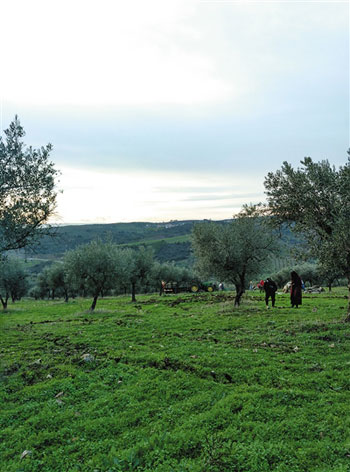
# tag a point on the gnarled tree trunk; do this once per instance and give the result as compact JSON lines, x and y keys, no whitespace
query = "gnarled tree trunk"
{"x":348,"y":310}
{"x":133,"y":292}
{"x":240,"y":288}
{"x":94,"y":301}
{"x":4,"y":301}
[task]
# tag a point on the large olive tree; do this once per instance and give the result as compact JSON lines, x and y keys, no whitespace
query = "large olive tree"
{"x":233,"y":252}
{"x":27,"y":190}
{"x":315,"y":200}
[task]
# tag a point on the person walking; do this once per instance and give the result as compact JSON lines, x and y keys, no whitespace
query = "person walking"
{"x":295,"y":290}
{"x":270,"y":288}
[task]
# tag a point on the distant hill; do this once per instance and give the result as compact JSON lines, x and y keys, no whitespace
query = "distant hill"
{"x":170,"y":240}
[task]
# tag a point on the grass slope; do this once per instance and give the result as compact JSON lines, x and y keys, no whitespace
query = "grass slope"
{"x":177,"y":383}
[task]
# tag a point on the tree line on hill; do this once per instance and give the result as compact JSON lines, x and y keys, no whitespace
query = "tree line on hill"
{"x":313,"y":201}
{"x":160,"y":236}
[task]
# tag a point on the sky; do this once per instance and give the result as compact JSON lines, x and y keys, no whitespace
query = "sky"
{"x":170,"y":109}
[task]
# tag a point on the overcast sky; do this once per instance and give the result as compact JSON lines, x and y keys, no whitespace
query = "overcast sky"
{"x":172,"y":109}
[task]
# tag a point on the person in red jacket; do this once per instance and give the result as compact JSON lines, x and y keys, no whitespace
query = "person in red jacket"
{"x":261,"y":285}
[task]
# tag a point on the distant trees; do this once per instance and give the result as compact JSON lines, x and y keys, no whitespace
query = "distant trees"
{"x":98,"y":267}
{"x":13,"y":281}
{"x":315,"y":200}
{"x":169,"y":272}
{"x":27,"y":190}
{"x":163,"y":273}
{"x":233,"y":252}
{"x":308,"y":272}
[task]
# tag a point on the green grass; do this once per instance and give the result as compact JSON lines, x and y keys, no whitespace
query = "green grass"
{"x":177,"y":383}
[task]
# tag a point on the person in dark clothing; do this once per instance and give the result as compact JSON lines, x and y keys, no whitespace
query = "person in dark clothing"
{"x":270,"y":288}
{"x":295,"y":289}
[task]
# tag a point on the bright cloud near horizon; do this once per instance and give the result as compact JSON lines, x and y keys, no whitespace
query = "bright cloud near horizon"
{"x":175,"y":109}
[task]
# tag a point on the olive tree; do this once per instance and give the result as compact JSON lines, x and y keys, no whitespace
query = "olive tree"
{"x":42,"y":287}
{"x":27,"y":190}
{"x":57,"y":280}
{"x":314,"y":200}
{"x":13,"y":281}
{"x":140,"y":263}
{"x":94,"y":267}
{"x":235,"y":251}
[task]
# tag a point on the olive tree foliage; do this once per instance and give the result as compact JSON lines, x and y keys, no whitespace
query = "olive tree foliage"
{"x":314,"y":200}
{"x":27,"y":190}
{"x":233,"y":252}
{"x":41,"y":289}
{"x":95,"y":268}
{"x":139,"y":263}
{"x":13,"y":281}
{"x":57,"y":281}
{"x":308,"y":272}
{"x":163,"y":273}
{"x":53,"y":282}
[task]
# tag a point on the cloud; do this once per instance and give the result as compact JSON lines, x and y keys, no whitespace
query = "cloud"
{"x":206,"y":197}
{"x":181,"y":103}
{"x":95,"y":195}
{"x":148,"y":54}
{"x":119,"y":53}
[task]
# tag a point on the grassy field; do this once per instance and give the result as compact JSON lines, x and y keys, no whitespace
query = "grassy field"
{"x":176,"y":383}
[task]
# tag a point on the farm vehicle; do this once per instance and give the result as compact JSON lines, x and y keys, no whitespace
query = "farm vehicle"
{"x":193,"y":286}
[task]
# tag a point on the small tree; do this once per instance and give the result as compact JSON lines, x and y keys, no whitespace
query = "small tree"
{"x":94,"y":267}
{"x":329,"y":275}
{"x":233,"y":252}
{"x":13,"y":281}
{"x":42,"y":287}
{"x":57,"y":280}
{"x":140,"y":263}
{"x":27,"y":190}
{"x":308,"y":272}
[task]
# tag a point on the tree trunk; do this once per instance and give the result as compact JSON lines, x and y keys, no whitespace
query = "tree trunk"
{"x":66,"y":296}
{"x":94,"y":301}
{"x":4,"y":301}
{"x":348,"y":314}
{"x":240,"y":288}
{"x":239,"y":292}
{"x":133,"y":292}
